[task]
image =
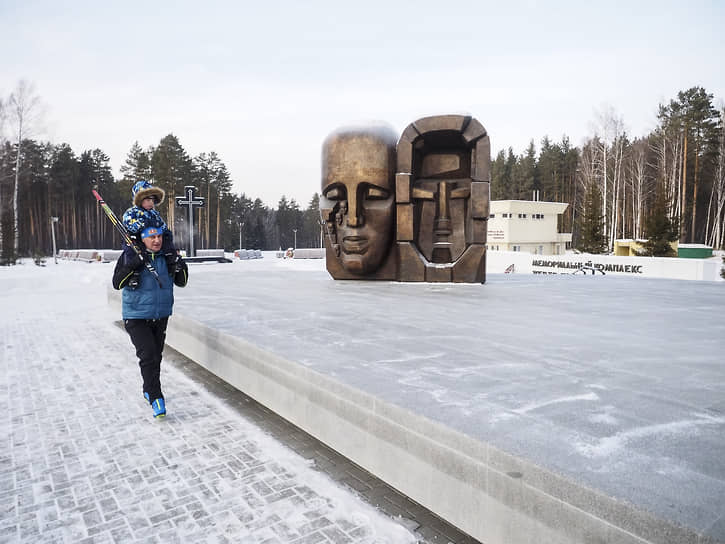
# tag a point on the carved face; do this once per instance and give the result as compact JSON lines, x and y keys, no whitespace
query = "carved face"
{"x":358,"y":196}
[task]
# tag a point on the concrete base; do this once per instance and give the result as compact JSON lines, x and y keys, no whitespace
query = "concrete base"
{"x":492,"y":495}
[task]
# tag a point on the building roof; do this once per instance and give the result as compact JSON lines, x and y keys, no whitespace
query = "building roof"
{"x":527,"y":205}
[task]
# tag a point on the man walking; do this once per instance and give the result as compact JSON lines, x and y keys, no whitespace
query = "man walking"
{"x":147,"y":307}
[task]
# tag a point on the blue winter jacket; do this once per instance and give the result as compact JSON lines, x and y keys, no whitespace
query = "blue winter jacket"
{"x":148,"y":300}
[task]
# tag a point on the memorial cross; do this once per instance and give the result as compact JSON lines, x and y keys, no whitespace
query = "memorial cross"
{"x":190,"y":201}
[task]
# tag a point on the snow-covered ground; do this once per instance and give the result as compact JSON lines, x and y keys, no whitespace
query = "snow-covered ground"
{"x":617,"y":383}
{"x":81,"y":456}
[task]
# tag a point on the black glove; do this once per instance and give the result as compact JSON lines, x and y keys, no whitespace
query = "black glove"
{"x":131,"y":259}
{"x":181,"y":272}
{"x":174,"y":262}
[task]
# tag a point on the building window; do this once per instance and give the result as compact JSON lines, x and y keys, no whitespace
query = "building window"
{"x":516,"y":248}
{"x":538,"y":216}
{"x":492,"y":216}
{"x":522,"y":216}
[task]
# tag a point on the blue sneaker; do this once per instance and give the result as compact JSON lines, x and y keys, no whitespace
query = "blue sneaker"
{"x":146,"y":396}
{"x":159,"y":407}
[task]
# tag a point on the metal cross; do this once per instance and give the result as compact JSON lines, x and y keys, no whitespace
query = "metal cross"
{"x":190,"y":201}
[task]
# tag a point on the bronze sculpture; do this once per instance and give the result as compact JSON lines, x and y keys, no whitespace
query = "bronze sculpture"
{"x":429,"y":224}
{"x":357,"y":204}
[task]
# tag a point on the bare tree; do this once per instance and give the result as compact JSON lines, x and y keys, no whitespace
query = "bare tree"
{"x":589,"y":169}
{"x":618,"y":189}
{"x":23,"y":112}
{"x":639,"y":184}
{"x":3,"y":117}
{"x":667,"y":145}
{"x":611,"y":138}
{"x":718,"y":190}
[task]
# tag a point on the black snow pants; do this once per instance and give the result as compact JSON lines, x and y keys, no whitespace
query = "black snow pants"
{"x":148,"y":336}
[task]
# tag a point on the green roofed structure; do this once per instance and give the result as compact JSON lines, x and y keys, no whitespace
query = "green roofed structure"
{"x":694,"y":251}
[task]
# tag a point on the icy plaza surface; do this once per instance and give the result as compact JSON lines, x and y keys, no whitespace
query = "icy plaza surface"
{"x":615,"y":383}
{"x":82,"y":460}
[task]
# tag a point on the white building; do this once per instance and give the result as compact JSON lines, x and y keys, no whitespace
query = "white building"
{"x":527,"y":225}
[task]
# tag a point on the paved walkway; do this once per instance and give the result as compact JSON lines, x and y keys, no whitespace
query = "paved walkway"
{"x":82,"y":460}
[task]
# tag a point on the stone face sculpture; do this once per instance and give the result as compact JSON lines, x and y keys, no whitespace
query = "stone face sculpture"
{"x":429,"y":223}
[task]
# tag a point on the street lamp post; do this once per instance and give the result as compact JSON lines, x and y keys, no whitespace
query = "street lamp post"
{"x":295,"y":231}
{"x":53,"y":221}
{"x":240,"y":234}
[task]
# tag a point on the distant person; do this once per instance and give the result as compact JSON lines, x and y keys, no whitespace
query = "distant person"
{"x":147,"y":307}
{"x":144,"y":214}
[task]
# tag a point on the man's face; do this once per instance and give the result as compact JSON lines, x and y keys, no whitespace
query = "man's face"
{"x":357,"y":181}
{"x":153,"y":243}
{"x":148,"y":203}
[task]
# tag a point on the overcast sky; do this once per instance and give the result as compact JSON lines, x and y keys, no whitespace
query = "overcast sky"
{"x":263,"y":84}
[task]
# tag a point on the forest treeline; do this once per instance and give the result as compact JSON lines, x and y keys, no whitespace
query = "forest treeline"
{"x":668,"y":184}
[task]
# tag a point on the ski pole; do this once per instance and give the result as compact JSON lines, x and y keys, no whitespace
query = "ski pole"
{"x":124,"y":234}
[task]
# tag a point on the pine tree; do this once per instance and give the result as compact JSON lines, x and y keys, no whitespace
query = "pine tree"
{"x":524,"y":174}
{"x":64,"y":194}
{"x":660,"y":231}
{"x":692,"y":116}
{"x":288,"y":219}
{"x":310,"y":235}
{"x":95,"y":170}
{"x":172,"y":170}
{"x":593,"y":239}
{"x":500,"y":178}
{"x":137,"y":165}
{"x":548,"y":169}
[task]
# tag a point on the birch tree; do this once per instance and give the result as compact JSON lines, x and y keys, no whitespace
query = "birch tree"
{"x":591,"y":237}
{"x":717,"y":198}
{"x":23,"y":113}
{"x":639,"y":183}
{"x":2,"y":143}
{"x":610,"y":132}
{"x":667,"y":143}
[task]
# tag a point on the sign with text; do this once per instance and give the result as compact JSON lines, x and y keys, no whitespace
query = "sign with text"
{"x":566,"y":267}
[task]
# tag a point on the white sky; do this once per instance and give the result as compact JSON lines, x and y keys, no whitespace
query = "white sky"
{"x":263,"y":84}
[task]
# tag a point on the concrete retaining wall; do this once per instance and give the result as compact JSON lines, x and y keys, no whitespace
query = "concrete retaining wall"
{"x":210,"y":253}
{"x":309,"y":253}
